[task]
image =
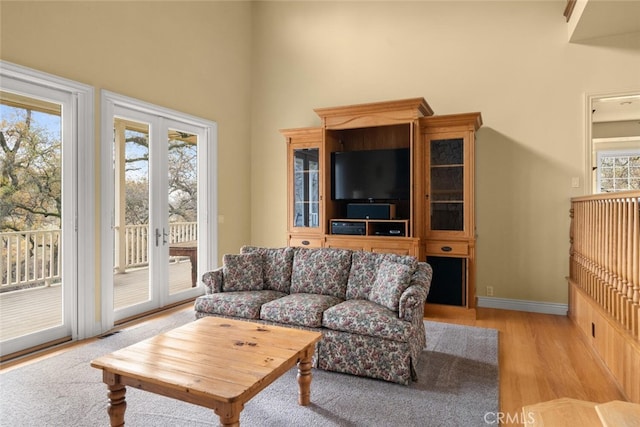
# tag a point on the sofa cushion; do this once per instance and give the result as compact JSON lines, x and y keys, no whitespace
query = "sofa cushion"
{"x":276,"y":266}
{"x":321,"y":271}
{"x":242,"y":272}
{"x":392,"y":280}
{"x":244,"y":304}
{"x":364,"y":317}
{"x":298,"y":309}
{"x":364,"y":270}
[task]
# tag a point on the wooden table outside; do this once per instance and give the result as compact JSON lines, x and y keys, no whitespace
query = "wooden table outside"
{"x":212,"y":362}
{"x":189,"y":249}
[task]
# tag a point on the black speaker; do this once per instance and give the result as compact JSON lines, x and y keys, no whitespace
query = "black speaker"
{"x":448,"y":285}
{"x":371,"y":211}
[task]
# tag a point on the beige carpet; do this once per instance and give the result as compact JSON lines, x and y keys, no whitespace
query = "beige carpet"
{"x":458,"y":385}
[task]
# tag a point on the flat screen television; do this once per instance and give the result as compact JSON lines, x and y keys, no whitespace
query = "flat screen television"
{"x":371,"y":174}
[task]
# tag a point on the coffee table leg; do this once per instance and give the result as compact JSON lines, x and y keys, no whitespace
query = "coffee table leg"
{"x":117,"y":404}
{"x":229,"y":414}
{"x":304,"y":379}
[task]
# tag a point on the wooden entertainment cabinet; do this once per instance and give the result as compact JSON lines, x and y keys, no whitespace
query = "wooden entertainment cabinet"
{"x":436,"y":222}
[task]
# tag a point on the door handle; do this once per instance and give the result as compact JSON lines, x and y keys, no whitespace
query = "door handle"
{"x":164,"y":236}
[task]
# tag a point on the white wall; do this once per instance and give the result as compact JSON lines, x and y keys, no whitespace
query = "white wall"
{"x":509,"y":60}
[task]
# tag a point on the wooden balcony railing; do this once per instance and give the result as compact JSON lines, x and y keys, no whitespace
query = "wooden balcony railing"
{"x":605,"y":254}
{"x":33,"y":258}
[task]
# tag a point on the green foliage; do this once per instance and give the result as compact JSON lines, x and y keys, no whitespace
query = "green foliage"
{"x":30,"y":174}
{"x":31,"y":185}
{"x":182,"y":179}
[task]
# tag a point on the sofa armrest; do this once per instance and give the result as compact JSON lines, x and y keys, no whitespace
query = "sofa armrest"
{"x":412,"y":300}
{"x":412,"y":303}
{"x":213,"y":281}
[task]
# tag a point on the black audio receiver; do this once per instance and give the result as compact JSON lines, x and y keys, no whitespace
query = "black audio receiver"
{"x":357,"y":228}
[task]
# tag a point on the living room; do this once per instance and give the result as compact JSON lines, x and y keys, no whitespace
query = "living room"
{"x":257,"y":67}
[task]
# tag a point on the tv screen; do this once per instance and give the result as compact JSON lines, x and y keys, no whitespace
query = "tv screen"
{"x":370,"y":174}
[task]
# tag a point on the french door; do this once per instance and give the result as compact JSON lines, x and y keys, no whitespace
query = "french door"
{"x":160,"y":186}
{"x":44,"y":226}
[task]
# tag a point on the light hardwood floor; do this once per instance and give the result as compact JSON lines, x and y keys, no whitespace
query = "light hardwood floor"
{"x":541,"y":357}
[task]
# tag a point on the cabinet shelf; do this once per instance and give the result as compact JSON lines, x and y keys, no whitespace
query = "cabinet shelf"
{"x":447,"y":166}
{"x":370,"y":227}
{"x":449,"y":191}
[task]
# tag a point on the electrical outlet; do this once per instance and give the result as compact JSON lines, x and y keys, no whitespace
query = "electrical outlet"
{"x":489,"y":291}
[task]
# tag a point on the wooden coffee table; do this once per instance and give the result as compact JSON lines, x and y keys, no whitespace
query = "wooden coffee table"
{"x":212,"y":362}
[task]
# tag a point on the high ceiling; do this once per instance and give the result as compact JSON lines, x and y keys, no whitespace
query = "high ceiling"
{"x":601,"y":18}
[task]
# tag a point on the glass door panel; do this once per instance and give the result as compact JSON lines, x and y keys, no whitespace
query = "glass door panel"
{"x":182,"y":207}
{"x":447,"y":184}
{"x":131,"y":217}
{"x":30,"y":224}
{"x":306,"y":190}
{"x":36,"y":222}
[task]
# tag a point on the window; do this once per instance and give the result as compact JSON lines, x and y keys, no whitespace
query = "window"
{"x":618,"y":171}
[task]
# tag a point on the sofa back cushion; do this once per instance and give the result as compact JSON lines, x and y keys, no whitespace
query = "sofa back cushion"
{"x":391,"y":281}
{"x":364,"y":270}
{"x":276,"y":266}
{"x":242,"y":272}
{"x":322,"y":271}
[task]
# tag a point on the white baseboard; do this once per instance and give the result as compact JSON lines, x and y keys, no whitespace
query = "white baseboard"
{"x":524,"y":305}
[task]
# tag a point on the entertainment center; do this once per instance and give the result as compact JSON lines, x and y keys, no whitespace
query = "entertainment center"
{"x":389,"y":177}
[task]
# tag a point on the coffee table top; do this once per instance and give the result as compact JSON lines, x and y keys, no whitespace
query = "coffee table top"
{"x":212,"y":358}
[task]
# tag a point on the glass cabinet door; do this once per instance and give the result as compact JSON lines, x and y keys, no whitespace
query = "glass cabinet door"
{"x":306,"y":190}
{"x":447,"y":184}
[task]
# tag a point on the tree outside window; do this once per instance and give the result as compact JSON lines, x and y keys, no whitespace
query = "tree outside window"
{"x":30,"y":172}
{"x":618,"y":171}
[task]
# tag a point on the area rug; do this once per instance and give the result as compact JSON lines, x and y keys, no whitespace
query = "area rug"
{"x":458,"y":385}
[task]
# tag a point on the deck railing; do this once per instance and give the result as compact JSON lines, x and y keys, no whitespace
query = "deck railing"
{"x":30,"y":258}
{"x":136,"y":238}
{"x":33,"y":258}
{"x":605,"y":254}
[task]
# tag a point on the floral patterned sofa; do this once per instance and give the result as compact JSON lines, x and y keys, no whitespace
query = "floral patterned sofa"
{"x":369,"y":306}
